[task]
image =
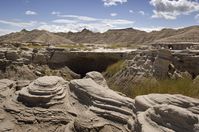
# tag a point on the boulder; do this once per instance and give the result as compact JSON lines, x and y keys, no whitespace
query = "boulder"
{"x":39,"y":58}
{"x":102,"y":101}
{"x":5,"y":88}
{"x":97,"y":77}
{"x":50,"y":103}
{"x":12,"y":55}
{"x":142,"y":103}
{"x":167,"y":118}
{"x":43,"y":92}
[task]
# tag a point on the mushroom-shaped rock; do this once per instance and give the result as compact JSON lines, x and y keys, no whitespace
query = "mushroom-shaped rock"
{"x":97,"y":77}
{"x":45,"y":91}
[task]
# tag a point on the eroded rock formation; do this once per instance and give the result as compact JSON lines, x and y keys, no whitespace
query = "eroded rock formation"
{"x":50,"y":103}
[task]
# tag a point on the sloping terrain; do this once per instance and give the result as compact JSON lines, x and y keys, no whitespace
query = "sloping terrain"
{"x":124,"y":37}
{"x":132,"y":36}
{"x":189,"y":34}
{"x":35,"y":36}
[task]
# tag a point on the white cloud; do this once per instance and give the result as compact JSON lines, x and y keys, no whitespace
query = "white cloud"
{"x":63,"y":21}
{"x":131,"y":11}
{"x":96,"y":27}
{"x":82,"y":18}
{"x":117,"y":22}
{"x":55,"y":13}
{"x":113,"y":2}
{"x":197,"y":17}
{"x":18,"y":23}
{"x":76,"y":23}
{"x":142,"y":13}
{"x":113,"y":14}
{"x":30,"y":12}
{"x":155,"y":28}
{"x":171,"y":9}
{"x":149,"y":29}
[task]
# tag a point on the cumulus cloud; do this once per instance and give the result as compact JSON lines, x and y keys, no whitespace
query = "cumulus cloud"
{"x":113,"y":14}
{"x":18,"y":23}
{"x":113,"y":2}
{"x":142,"y":13}
{"x":55,"y":13}
{"x":131,"y":11}
{"x":197,"y":17}
{"x":30,"y":13}
{"x":170,"y":9}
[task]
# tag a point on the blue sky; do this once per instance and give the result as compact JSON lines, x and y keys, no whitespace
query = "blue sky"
{"x":96,"y":15}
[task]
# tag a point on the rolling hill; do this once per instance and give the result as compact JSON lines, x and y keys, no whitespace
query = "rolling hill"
{"x":127,"y":36}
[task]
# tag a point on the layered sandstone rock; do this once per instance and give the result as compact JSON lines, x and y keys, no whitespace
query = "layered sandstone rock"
{"x":52,"y":104}
{"x":97,"y":77}
{"x":44,"y":92}
{"x":156,"y":112}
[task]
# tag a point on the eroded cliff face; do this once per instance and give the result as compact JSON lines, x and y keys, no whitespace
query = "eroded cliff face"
{"x":28,"y":60}
{"x":30,"y":63}
{"x":157,"y":65}
{"x":50,"y":103}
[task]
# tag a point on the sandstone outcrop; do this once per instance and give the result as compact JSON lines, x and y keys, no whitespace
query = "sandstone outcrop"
{"x":97,"y":77}
{"x":166,"y":112}
{"x":50,"y":103}
{"x":44,"y":92}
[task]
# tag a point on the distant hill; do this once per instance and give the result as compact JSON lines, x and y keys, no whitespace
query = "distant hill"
{"x":189,"y":34}
{"x":127,"y":36}
{"x":35,"y":36}
{"x":132,"y":36}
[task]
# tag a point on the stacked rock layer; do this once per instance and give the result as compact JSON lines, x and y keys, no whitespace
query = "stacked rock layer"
{"x":44,"y":92}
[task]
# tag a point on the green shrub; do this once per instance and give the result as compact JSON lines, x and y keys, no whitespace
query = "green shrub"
{"x":114,"y":68}
{"x":180,"y":86}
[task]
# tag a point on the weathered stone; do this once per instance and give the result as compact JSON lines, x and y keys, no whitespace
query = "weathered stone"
{"x":97,"y":77}
{"x":52,"y":104}
{"x":12,"y":55}
{"x":22,"y":83}
{"x":167,"y":118}
{"x":58,"y":57}
{"x":44,"y":92}
{"x":39,"y":58}
{"x":162,"y":63}
{"x":103,"y":101}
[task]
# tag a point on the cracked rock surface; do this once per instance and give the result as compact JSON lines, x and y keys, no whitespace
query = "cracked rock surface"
{"x":51,"y":104}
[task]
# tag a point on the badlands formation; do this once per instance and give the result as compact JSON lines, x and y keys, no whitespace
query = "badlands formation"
{"x":50,"y":103}
{"x":46,"y":87}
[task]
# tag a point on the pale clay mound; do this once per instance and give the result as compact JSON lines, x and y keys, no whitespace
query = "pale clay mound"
{"x":52,"y":104}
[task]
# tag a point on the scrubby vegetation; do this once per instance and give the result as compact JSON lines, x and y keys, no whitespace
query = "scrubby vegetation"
{"x":113,"y":69}
{"x":150,"y":85}
{"x":180,"y":86}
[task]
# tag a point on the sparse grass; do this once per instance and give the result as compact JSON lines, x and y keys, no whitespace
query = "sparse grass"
{"x":180,"y":86}
{"x":114,"y":68}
